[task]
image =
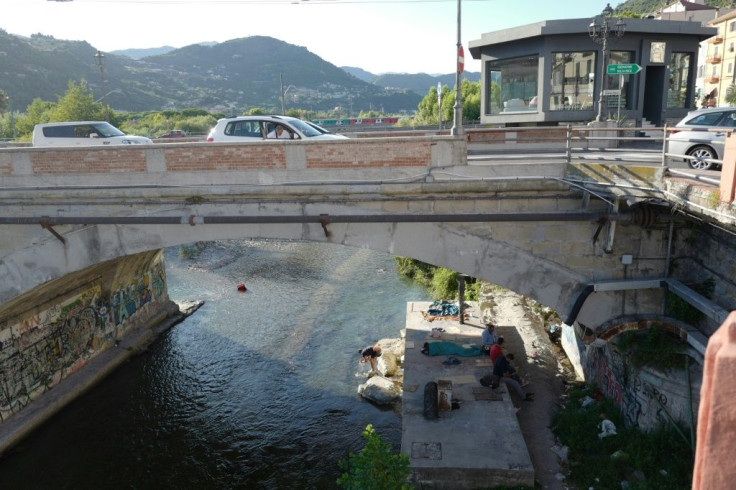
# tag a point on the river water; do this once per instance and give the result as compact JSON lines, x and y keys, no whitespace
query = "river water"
{"x":255,"y":390}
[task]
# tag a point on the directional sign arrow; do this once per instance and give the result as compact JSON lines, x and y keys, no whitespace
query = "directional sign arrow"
{"x":623,"y":69}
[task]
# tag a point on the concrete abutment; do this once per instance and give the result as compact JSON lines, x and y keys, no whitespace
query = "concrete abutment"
{"x":63,"y":336}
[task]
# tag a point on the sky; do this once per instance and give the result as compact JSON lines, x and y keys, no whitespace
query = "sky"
{"x":379,"y":36}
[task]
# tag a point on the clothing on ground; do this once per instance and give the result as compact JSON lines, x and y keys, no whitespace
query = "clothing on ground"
{"x":443,"y":348}
{"x":443,"y":308}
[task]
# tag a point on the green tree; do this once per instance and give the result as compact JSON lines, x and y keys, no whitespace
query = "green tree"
{"x":375,"y":467}
{"x":255,"y":111}
{"x":731,"y":94}
{"x":39,"y":111}
{"x":426,"y":114}
{"x":4,"y":103}
{"x":77,"y":104}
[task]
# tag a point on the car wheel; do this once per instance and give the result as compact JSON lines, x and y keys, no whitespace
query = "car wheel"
{"x":700,"y":154}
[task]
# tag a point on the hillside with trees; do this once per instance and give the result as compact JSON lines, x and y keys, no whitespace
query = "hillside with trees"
{"x":644,"y":7}
{"x":228,"y":77}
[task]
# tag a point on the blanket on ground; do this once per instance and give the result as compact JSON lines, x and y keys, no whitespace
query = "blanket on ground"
{"x":444,"y":348}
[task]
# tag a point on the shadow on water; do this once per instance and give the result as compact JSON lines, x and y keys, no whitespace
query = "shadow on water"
{"x":255,"y":390}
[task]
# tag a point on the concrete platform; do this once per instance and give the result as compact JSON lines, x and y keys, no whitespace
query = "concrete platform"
{"x":478,"y":445}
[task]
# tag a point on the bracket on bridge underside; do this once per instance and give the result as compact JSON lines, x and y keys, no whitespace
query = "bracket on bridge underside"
{"x":47,"y":226}
{"x":324,"y":219}
{"x":611,"y":233}
{"x":608,"y":247}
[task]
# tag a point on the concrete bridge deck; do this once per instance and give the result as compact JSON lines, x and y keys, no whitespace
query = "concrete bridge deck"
{"x":479,"y":445}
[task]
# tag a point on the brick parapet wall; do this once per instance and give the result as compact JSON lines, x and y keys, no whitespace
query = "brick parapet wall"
{"x":373,"y":153}
{"x":407,"y":152}
{"x":88,"y":160}
{"x":224,"y":157}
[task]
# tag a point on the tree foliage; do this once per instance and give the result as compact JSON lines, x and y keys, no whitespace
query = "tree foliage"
{"x":441,"y":282}
{"x":375,"y":467}
{"x":4,"y":103}
{"x":731,"y":94}
{"x":427,"y":111}
{"x":77,"y":104}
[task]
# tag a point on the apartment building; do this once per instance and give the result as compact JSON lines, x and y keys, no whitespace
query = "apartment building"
{"x":718,"y":71}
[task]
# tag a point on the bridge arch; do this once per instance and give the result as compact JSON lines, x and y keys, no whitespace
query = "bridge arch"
{"x":548,"y":262}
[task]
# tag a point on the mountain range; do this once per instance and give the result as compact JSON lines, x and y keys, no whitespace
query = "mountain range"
{"x":228,"y":77}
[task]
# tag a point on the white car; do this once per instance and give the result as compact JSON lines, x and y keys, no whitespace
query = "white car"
{"x":259,"y":128}
{"x":83,"y":133}
{"x":701,"y":135}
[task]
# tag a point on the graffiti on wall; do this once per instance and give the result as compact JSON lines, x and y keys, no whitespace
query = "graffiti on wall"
{"x":641,"y":402}
{"x":40,"y":350}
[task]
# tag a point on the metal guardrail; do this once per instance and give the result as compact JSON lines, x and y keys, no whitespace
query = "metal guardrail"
{"x":579,"y":142}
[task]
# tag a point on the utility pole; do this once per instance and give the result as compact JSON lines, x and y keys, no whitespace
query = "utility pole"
{"x":457,"y":123}
{"x":439,"y":104}
{"x":100,"y":60}
{"x":283,"y":109}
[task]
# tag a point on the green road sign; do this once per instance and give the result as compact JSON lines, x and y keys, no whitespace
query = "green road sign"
{"x":623,"y":69}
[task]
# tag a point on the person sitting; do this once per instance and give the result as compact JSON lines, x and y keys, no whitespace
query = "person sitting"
{"x":369,"y":354}
{"x":488,"y":337}
{"x":504,"y":372}
{"x":496,"y":350}
{"x":279,"y":133}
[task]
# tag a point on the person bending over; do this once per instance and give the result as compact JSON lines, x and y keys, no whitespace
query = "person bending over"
{"x":369,"y":354}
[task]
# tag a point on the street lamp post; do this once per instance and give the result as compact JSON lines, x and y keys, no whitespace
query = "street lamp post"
{"x":600,"y":30}
{"x":457,"y":121}
{"x":100,"y":60}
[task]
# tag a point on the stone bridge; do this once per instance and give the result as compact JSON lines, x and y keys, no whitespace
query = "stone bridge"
{"x":82,"y":230}
{"x":534,"y":232}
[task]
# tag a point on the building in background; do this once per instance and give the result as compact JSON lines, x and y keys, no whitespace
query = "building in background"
{"x":719,"y":67}
{"x":551,"y":72}
{"x":695,"y":11}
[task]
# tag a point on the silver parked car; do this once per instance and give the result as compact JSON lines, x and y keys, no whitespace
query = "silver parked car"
{"x":701,"y":135}
{"x":259,"y":128}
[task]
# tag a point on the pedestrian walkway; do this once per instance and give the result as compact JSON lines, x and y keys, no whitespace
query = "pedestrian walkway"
{"x":479,"y":443}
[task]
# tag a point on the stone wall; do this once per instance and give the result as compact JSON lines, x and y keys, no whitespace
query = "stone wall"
{"x":645,"y":396}
{"x":50,"y":333}
{"x":703,"y":254}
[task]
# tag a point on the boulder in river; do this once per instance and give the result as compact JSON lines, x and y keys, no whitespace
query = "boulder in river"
{"x":380,"y":391}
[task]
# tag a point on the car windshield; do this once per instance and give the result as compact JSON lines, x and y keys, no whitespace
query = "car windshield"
{"x":306,"y":129}
{"x":707,"y":119}
{"x":318,"y":127}
{"x":106,"y":130}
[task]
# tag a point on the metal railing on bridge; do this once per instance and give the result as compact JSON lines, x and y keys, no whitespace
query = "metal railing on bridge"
{"x":571,"y":144}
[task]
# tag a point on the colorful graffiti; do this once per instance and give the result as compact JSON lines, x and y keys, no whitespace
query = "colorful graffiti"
{"x":41,"y":349}
{"x":642,"y":404}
